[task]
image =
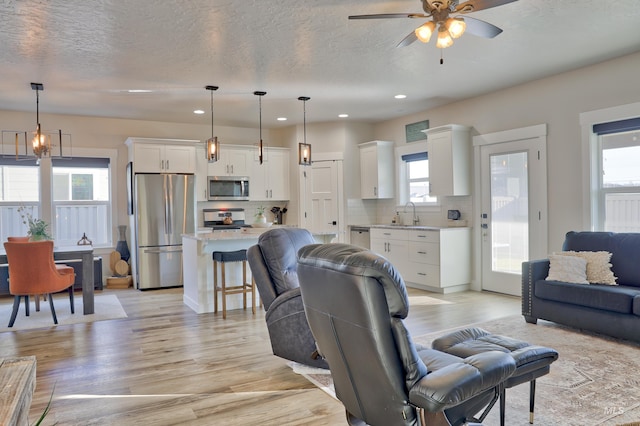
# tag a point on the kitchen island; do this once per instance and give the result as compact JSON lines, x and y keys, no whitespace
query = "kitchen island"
{"x":198,"y":263}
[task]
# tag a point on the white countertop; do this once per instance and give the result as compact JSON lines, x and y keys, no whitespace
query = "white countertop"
{"x":241,"y":234}
{"x":416,"y":227}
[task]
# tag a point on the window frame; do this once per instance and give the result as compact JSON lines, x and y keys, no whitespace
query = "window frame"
{"x":593,"y":199}
{"x":402,"y":176}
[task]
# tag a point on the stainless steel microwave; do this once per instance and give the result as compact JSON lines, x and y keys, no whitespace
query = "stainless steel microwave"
{"x":228,"y":188}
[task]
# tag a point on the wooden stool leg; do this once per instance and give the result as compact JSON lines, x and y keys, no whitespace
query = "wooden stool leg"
{"x":224,"y":292}
{"x":244,"y":284}
{"x":253,"y":296}
{"x":215,"y":286}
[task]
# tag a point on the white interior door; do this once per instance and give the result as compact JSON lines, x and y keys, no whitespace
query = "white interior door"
{"x":513,"y":207}
{"x":321,"y":201}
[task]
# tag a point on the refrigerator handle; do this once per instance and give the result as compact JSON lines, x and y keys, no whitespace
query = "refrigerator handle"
{"x":170,"y":203}
{"x":166,"y":204}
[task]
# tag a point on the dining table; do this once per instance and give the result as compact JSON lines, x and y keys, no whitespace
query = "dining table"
{"x":83,"y":253}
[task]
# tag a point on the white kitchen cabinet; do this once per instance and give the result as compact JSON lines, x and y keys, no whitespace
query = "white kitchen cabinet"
{"x":234,"y":161}
{"x":162,"y":155}
{"x":439,"y":259}
{"x":393,"y":244}
{"x":435,"y":259}
{"x":270,"y":180}
{"x":449,"y":149}
{"x":376,"y":170}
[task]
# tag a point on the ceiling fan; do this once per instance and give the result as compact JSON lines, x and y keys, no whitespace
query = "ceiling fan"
{"x":446,"y":21}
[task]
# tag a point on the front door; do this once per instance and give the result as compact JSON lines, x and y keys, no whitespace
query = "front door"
{"x":513,"y":224}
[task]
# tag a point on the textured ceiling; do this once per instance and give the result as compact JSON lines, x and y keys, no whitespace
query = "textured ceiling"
{"x":89,"y":53}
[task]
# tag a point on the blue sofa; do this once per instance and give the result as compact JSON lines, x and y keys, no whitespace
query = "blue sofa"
{"x":613,"y":310}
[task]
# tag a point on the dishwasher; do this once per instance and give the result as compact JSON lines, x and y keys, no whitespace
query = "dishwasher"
{"x":359,"y":236}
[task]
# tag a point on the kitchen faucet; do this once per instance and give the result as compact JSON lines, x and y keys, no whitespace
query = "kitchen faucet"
{"x":416,"y":219}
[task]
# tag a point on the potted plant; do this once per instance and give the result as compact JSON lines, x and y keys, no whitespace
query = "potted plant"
{"x":37,"y":227}
{"x":260,"y":217}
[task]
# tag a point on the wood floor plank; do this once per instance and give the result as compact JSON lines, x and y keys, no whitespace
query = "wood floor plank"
{"x":166,"y":365}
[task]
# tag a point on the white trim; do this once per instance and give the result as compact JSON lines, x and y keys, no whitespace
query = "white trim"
{"x":511,"y":135}
{"x":589,"y":142}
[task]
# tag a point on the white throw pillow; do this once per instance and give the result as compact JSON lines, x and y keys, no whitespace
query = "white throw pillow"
{"x":570,"y":269}
{"x":598,"y":266}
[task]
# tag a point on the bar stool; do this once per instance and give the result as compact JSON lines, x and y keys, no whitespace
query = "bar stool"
{"x":224,"y":257}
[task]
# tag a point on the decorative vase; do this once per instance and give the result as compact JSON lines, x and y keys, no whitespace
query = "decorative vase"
{"x":121,"y":245}
{"x":260,"y":218}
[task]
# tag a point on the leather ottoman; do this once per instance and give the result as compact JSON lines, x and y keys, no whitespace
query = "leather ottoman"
{"x":531,"y":361}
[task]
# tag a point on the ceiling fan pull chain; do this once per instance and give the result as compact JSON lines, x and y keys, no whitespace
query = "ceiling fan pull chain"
{"x":441,"y":60}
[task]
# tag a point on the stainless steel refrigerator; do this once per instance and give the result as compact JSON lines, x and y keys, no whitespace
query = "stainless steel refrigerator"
{"x":164,"y":210}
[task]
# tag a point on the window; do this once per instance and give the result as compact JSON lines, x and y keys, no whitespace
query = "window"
{"x":19,"y":186}
{"x":417,"y":178}
{"x":81,"y":200}
{"x":618,"y":199}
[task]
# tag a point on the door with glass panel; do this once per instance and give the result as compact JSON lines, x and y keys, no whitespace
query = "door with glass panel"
{"x":513,"y":225}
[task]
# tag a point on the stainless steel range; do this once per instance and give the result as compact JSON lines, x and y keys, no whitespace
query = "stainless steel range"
{"x":224,"y":219}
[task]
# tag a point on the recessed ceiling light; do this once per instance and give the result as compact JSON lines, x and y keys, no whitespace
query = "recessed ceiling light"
{"x":139,"y":91}
{"x":343,"y":115}
{"x":400,"y":96}
{"x":281,"y":118}
{"x":198,"y":111}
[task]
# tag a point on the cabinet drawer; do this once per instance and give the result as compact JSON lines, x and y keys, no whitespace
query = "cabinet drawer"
{"x":424,"y":252}
{"x":425,"y":236}
{"x":389,"y":234}
{"x":422,"y":273}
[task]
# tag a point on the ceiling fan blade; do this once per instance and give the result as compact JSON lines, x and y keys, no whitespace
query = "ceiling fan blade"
{"x":390,"y":15}
{"x":480,"y":5}
{"x":410,"y":38}
{"x":481,"y":28}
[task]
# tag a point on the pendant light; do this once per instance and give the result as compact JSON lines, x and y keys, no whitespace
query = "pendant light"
{"x":40,"y":145}
{"x":304,"y":149}
{"x":213,"y":146}
{"x":260,"y":144}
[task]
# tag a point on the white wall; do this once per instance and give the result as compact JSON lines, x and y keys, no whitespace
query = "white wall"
{"x":557,"y":101}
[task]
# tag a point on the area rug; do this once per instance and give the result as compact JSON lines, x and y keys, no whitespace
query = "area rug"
{"x":106,"y":306}
{"x":595,"y":381}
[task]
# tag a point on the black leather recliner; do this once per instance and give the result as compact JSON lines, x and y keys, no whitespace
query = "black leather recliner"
{"x":355,"y":303}
{"x":273,"y":263}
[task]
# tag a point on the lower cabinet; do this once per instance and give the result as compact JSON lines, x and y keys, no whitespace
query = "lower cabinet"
{"x":434,"y":259}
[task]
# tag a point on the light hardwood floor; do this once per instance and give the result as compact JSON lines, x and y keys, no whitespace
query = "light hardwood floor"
{"x":166,"y":365}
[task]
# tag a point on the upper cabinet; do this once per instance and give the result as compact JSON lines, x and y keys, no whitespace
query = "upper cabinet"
{"x":376,"y":170}
{"x":449,"y":149}
{"x":162,"y":155}
{"x":270,"y":180}
{"x":234,"y":161}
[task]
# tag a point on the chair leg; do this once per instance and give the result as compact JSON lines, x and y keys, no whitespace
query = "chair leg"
{"x":503,"y":405}
{"x":224,"y":291}
{"x":73,"y":308}
{"x":14,"y":312}
{"x":36,"y":297}
{"x":215,"y":286}
{"x":532,"y":397}
{"x":26,"y":305}
{"x":244,"y":284}
{"x":53,"y":310}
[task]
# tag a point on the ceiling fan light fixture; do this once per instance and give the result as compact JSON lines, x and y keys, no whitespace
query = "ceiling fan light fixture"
{"x":456,"y":27}
{"x":425,"y":31}
{"x":444,"y":38}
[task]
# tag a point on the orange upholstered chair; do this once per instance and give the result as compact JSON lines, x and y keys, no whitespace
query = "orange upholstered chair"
{"x":32,"y":271}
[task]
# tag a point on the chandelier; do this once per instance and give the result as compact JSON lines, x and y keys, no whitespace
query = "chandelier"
{"x":40,"y":145}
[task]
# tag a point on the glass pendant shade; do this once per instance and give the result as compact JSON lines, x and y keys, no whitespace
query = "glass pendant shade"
{"x":213,"y":149}
{"x":444,"y":38}
{"x":456,"y":27}
{"x":304,"y":154}
{"x":425,"y":31}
